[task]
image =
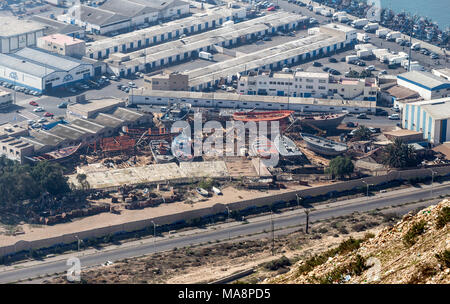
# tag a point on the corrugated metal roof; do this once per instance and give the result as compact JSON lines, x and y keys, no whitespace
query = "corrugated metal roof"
{"x":54,"y":61}
{"x":425,"y":79}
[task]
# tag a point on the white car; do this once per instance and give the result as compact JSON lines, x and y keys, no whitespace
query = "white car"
{"x":36,"y":125}
{"x":42,"y":120}
{"x":394,"y":117}
{"x":371,"y":68}
{"x":39,"y":109}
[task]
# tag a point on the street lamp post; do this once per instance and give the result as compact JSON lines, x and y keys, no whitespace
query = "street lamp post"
{"x":78,"y":241}
{"x":432,"y":180}
{"x":367,"y":192}
{"x":229,"y":233}
{"x":154,"y":234}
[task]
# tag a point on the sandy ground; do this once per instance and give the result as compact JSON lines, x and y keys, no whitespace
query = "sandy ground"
{"x":230,"y":195}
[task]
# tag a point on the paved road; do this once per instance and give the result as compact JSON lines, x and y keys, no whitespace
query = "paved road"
{"x":255,"y":226}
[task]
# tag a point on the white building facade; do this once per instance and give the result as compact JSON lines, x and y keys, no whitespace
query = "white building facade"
{"x":429,"y":117}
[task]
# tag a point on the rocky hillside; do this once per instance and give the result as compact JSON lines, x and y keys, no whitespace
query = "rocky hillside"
{"x":415,"y":250}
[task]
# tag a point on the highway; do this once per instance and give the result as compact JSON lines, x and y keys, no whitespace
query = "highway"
{"x":237,"y":230}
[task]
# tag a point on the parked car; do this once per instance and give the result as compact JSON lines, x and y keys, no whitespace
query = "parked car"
{"x":48,"y":114}
{"x":350,"y":124}
{"x":362,"y":116}
{"x":36,"y":125}
{"x":332,"y":60}
{"x":326,"y":69}
{"x":34,"y":103}
{"x":39,"y":109}
{"x":334,"y":72}
{"x":317,"y":64}
{"x":63,"y":105}
{"x":42,"y":120}
{"x":370,"y":68}
{"x":394,"y":116}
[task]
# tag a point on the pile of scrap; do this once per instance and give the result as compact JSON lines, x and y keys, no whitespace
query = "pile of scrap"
{"x":67,"y":216}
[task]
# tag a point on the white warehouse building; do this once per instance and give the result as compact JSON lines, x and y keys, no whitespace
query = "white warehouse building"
{"x":16,"y":34}
{"x":41,"y":71}
{"x":237,"y":101}
{"x":428,"y":85}
{"x":430,"y":117}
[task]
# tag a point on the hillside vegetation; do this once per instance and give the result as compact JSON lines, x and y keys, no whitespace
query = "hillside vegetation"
{"x":415,"y":250}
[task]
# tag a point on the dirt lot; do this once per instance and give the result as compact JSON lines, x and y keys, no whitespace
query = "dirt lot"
{"x":211,"y":262}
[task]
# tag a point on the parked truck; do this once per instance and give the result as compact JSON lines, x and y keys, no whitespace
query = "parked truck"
{"x":381,"y":33}
{"x":326,"y":13}
{"x":416,"y":46}
{"x":363,"y":53}
{"x":362,"y":37}
{"x":391,"y":36}
{"x":205,"y":55}
{"x":351,"y":58}
{"x":343,"y":18}
{"x":371,"y":27}
{"x":360,"y":23}
{"x":337,"y":15}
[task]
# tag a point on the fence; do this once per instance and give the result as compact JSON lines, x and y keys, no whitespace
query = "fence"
{"x":219,"y":208}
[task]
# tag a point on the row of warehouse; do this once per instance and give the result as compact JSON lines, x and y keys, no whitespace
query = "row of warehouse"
{"x":237,"y":101}
{"x":329,"y":39}
{"x":179,"y":50}
{"x":87,"y":123}
{"x":156,"y":34}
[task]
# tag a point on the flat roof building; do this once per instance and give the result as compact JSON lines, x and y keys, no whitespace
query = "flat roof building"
{"x":63,"y":45}
{"x":16,"y":34}
{"x":428,"y":85}
{"x":40,"y":70}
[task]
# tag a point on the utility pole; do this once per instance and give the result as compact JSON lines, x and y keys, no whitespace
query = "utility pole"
{"x":272,"y":232}
{"x":229,"y":233}
{"x":307,"y":211}
{"x":432,"y":180}
{"x":154,"y":235}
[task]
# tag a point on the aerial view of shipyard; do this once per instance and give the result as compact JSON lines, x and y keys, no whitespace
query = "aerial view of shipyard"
{"x":224,"y":142}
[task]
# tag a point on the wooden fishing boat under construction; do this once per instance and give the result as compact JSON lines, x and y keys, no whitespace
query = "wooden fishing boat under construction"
{"x":322,"y":121}
{"x":263,"y":116}
{"x":161,"y":151}
{"x":59,"y":155}
{"x":263,"y":147}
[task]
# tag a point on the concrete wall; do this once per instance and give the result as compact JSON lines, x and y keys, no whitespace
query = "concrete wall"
{"x":218,"y":208}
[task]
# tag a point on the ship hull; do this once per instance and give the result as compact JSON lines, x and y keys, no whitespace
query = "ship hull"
{"x":323,"y":146}
{"x":322,"y":122}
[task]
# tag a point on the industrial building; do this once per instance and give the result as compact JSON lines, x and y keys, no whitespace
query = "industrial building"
{"x":291,"y":53}
{"x":52,"y":26}
{"x":443,"y":73}
{"x":306,"y":84}
{"x":167,"y":82}
{"x":41,"y":71}
{"x":189,"y":47}
{"x":428,"y":85}
{"x":156,"y":34}
{"x":430,"y":117}
{"x":237,"y":101}
{"x":16,"y":34}
{"x":119,"y":16}
{"x":63,"y":45}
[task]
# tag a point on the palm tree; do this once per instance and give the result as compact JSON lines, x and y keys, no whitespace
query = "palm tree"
{"x":399,"y":155}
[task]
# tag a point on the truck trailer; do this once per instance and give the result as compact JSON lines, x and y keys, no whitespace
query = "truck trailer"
{"x":205,"y":55}
{"x":391,"y":36}
{"x":360,"y":23}
{"x":371,"y":27}
{"x":381,"y":33}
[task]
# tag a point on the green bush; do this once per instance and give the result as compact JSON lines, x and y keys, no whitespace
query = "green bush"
{"x":278,"y":263}
{"x":444,"y":257}
{"x":417,"y":229}
{"x":443,"y":217}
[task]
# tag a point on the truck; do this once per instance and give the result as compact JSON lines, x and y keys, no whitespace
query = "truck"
{"x":363,"y":37}
{"x":337,"y":15}
{"x":391,"y":36}
{"x":381,"y":33}
{"x":227,"y":23}
{"x":326,"y":13}
{"x":343,"y":18}
{"x":351,"y":58}
{"x":205,"y":55}
{"x":360,"y":23}
{"x":363,"y":53}
{"x":416,"y":46}
{"x":371,"y":27}
{"x":318,"y":9}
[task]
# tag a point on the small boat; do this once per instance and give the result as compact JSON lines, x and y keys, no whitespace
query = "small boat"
{"x":217,"y":191}
{"x":178,"y":111}
{"x":202,"y":191}
{"x":161,"y":151}
{"x":286,"y":147}
{"x":323,"y":146}
{"x":263,"y":147}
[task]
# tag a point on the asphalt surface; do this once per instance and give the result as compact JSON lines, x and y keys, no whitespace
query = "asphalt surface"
{"x":295,"y":219}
